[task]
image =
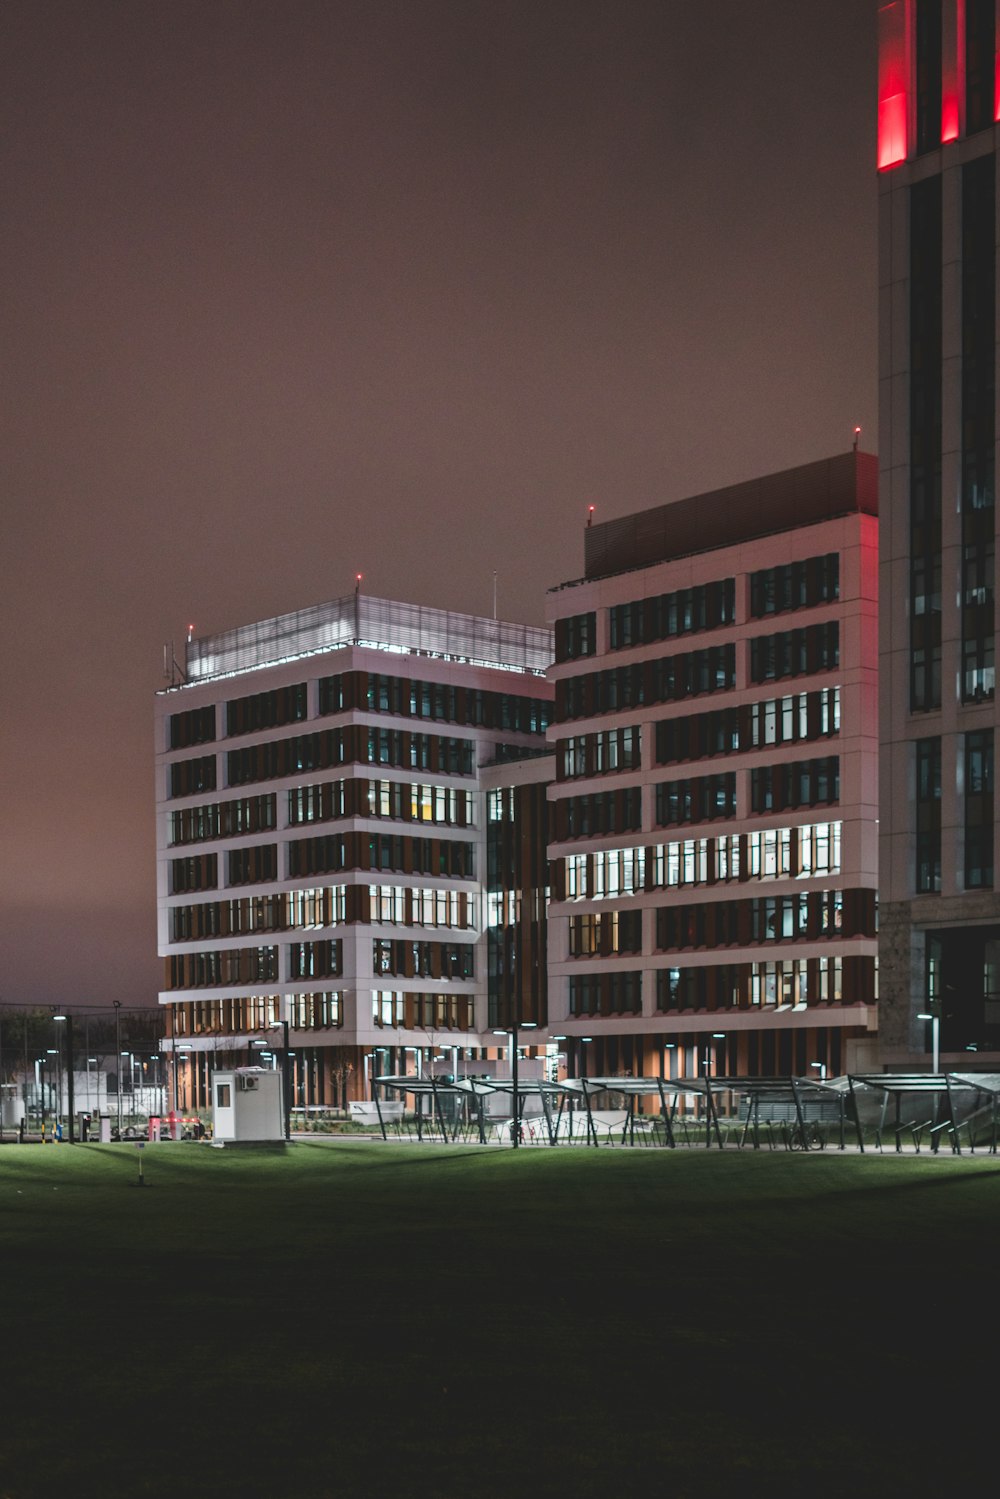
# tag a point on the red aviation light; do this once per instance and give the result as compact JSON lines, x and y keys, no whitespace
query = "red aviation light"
{"x":893,"y":105}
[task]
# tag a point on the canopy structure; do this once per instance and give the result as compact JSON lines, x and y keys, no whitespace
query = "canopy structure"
{"x":945,"y":1104}
{"x":798,"y":1113}
{"x":569,"y":1110}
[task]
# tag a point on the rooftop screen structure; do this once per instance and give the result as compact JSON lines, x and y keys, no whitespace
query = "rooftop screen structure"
{"x":382,"y":624}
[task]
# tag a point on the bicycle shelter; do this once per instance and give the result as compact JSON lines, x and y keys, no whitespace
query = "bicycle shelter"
{"x":790,"y":1112}
{"x":567,"y":1112}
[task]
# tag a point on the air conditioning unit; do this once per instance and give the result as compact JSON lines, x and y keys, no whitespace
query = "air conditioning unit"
{"x":249,"y":1084}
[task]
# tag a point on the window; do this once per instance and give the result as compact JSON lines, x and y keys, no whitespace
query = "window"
{"x":979,"y":810}
{"x":196,"y":726}
{"x":706,"y":606}
{"x":667,"y":680}
{"x":925,"y":310}
{"x":978,"y":429}
{"x":266,"y":710}
{"x":250,"y":814}
{"x":980,"y":48}
{"x":928,"y":815}
{"x":793,"y":653}
{"x":576,"y":636}
{"x":605,"y":994}
{"x":928,"y":74}
{"x":250,"y":866}
{"x":701,"y":800}
{"x":603,"y":812}
{"x":188,"y":777}
{"x":800,"y":783}
{"x":795,"y":585}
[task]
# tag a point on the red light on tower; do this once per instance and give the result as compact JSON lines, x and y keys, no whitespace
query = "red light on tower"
{"x":893,"y":105}
{"x":949,"y":118}
{"x":952,"y":21}
{"x":590,"y":515}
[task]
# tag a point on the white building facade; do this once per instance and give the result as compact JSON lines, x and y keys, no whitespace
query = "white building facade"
{"x":321,"y":839}
{"x":713,"y":819}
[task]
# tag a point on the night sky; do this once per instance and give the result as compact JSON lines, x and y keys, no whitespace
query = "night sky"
{"x":296,"y":289}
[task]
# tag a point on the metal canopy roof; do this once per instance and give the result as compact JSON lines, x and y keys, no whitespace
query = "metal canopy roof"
{"x":794,"y":1104}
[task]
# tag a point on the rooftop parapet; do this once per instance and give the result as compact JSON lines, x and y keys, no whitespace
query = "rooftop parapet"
{"x":796,"y":497}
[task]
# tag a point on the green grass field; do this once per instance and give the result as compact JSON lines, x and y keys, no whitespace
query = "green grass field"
{"x":353,"y":1319}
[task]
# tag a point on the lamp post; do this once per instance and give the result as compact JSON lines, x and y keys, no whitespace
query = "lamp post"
{"x":67,"y":1020}
{"x":527,"y":1025}
{"x":286,"y":1100}
{"x":821,"y":1068}
{"x":935,"y":1020}
{"x":57,"y":1021}
{"x":118,"y":1049}
{"x":131,"y":1083}
{"x":52,"y":1051}
{"x":40,"y":1089}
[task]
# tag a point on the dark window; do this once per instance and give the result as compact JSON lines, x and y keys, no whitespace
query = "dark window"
{"x":576,"y":636}
{"x":980,"y":50}
{"x":605,"y":994}
{"x":794,"y":653}
{"x":925,"y":444}
{"x":188,"y":777}
{"x":795,"y":585}
{"x":698,"y":800}
{"x":928,"y":75}
{"x":928,"y":815}
{"x":198,"y":873}
{"x":979,"y":810}
{"x":266,"y":710}
{"x":250,"y":866}
{"x":801,"y":783}
{"x":197,"y":726}
{"x":707,"y":606}
{"x":978,"y":427}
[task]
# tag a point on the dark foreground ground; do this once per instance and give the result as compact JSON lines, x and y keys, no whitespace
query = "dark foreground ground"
{"x":355,"y":1320}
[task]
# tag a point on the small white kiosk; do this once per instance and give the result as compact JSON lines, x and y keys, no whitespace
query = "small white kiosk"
{"x":246,"y":1107}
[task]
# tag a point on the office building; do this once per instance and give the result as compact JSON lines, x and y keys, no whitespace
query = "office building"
{"x":713,"y":813}
{"x":322,"y":843}
{"x":937,"y":157}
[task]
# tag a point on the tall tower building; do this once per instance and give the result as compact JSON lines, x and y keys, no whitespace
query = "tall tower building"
{"x":937,"y":158}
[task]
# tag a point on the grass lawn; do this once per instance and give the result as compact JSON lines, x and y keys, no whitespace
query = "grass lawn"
{"x":348,"y":1319}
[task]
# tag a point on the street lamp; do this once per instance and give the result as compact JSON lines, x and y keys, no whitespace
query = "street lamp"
{"x":282,"y":1025}
{"x":709,"y":1059}
{"x":821,"y":1066}
{"x":131,"y":1083}
{"x":118,"y":1048}
{"x":527,"y":1025}
{"x":935,"y":1021}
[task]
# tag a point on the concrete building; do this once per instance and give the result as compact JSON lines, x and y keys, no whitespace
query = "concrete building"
{"x":322,"y":840}
{"x":713,"y":815}
{"x":937,"y":155}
